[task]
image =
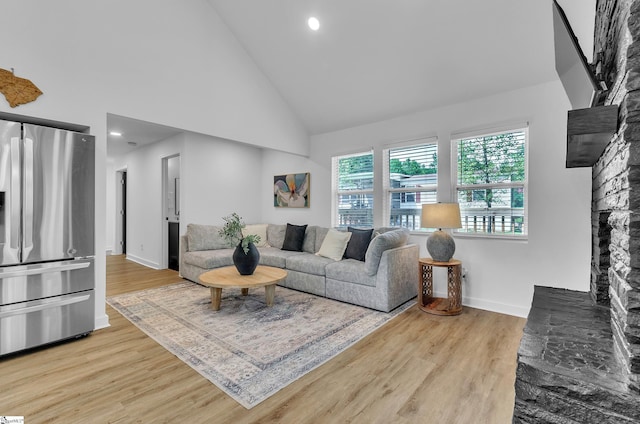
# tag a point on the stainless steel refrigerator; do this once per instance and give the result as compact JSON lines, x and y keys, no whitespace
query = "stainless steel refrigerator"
{"x":46,"y":235}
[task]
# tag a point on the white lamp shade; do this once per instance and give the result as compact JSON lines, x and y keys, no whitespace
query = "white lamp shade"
{"x":440,"y":215}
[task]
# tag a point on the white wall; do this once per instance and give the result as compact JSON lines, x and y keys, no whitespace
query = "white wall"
{"x":582,"y":16}
{"x":162,"y":61}
{"x":279,"y":163}
{"x":500,"y":273}
{"x":218,"y":177}
{"x":145,"y":217}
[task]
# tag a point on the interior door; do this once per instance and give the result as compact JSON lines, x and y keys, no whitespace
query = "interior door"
{"x":123,"y":212}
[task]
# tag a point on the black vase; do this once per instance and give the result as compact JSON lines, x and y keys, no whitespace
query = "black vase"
{"x":246,"y":263}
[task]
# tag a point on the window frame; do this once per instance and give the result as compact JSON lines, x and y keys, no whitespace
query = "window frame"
{"x":388,"y":191}
{"x":336,"y":192}
{"x":456,"y":187}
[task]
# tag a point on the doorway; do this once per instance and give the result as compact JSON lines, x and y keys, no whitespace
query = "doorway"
{"x":121,"y":212}
{"x":171,"y":211}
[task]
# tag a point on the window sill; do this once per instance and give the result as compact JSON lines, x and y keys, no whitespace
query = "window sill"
{"x":477,"y":236}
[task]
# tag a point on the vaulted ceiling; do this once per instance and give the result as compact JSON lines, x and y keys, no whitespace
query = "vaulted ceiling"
{"x":378,"y":59}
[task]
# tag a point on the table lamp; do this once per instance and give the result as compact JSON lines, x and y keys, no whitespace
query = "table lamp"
{"x":440,"y":245}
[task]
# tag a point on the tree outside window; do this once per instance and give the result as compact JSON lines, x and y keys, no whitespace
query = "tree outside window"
{"x":410,"y":180}
{"x":353,"y":190}
{"x":491,"y":182}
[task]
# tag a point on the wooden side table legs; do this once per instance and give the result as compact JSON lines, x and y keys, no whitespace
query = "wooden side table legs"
{"x":452,"y":304}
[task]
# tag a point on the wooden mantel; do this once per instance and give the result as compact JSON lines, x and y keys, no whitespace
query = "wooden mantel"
{"x":588,"y":133}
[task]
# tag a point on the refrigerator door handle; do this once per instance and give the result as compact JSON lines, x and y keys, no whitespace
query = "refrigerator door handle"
{"x":41,"y":305}
{"x":22,"y":271}
{"x":27,"y":230}
{"x":16,"y":196}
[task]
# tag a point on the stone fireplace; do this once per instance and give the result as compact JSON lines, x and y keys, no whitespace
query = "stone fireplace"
{"x":600,"y":261}
{"x":579,"y":359}
{"x":616,"y":180}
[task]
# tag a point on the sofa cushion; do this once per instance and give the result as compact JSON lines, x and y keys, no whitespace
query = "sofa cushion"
{"x":294,"y":237}
{"x":209,"y":259}
{"x":275,"y":235}
{"x":380,"y":243}
{"x":258,"y":230}
{"x":321,"y":233}
{"x":205,"y":237}
{"x":271,"y":256}
{"x":308,"y":263}
{"x":334,"y":244}
{"x":350,"y":270}
{"x":309,"y":244}
{"x":358,"y":243}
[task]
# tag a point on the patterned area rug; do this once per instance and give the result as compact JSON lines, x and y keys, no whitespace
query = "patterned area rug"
{"x":249,"y":350}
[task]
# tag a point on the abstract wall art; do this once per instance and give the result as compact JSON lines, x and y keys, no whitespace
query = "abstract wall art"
{"x":291,"y":190}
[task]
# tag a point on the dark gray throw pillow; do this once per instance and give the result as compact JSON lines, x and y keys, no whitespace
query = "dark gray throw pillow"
{"x":294,"y":237}
{"x":358,"y":243}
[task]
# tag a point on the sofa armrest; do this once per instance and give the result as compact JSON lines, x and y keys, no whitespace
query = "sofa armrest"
{"x":184,"y":248}
{"x":398,"y":271}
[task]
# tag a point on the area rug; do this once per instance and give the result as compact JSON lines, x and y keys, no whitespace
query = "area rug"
{"x":249,"y":350}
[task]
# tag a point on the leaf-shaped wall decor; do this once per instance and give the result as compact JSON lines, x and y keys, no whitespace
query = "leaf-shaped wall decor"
{"x":17,"y":91}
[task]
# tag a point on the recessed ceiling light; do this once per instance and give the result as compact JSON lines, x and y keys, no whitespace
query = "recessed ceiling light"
{"x":313,"y":23}
{"x":115,"y":133}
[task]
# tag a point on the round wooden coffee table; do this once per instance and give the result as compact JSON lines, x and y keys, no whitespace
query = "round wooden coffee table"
{"x":228,"y":276}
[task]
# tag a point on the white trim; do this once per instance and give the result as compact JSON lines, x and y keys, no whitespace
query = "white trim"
{"x":488,"y":305}
{"x":143,"y":261}
{"x":427,"y":139}
{"x":335,"y":193}
{"x":101,"y":322}
{"x":386,"y":175}
{"x":525,"y":184}
{"x":502,"y":308}
{"x":351,"y":153}
{"x":484,"y":131}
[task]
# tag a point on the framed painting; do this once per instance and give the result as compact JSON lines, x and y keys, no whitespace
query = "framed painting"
{"x":291,"y":190}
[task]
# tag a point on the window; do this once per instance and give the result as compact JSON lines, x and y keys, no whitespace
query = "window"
{"x":411,"y":179}
{"x":353,"y":190}
{"x":491,"y":183}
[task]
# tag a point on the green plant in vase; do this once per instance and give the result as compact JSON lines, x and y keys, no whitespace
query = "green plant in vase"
{"x":246,"y":255}
{"x":232,"y":232}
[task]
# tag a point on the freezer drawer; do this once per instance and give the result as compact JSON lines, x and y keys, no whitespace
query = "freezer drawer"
{"x":30,"y":282}
{"x":30,"y":324}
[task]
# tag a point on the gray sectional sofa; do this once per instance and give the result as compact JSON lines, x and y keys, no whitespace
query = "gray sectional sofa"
{"x":386,"y":278}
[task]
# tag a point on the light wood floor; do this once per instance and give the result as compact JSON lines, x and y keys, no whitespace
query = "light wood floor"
{"x":418,"y":368}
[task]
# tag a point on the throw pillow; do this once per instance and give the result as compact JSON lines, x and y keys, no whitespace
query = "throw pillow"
{"x":258,"y":230}
{"x":294,"y":237}
{"x":358,"y":244}
{"x":275,"y":235}
{"x":334,"y":244}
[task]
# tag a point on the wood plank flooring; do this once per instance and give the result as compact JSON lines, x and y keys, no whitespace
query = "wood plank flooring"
{"x":418,"y":368}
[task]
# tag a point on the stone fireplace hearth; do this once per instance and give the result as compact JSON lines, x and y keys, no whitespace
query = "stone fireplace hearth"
{"x":568,"y":371}
{"x":579,"y":359}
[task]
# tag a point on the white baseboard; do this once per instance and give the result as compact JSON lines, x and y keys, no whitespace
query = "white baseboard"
{"x":488,"y":305}
{"x":143,"y":261}
{"x":501,"y":308}
{"x":101,"y":322}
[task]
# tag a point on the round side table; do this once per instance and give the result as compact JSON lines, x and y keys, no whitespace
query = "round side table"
{"x":452,"y":304}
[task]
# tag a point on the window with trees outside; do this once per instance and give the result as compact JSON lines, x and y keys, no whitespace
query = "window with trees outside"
{"x":410,"y":179}
{"x":353,"y":190}
{"x":491,"y":183}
